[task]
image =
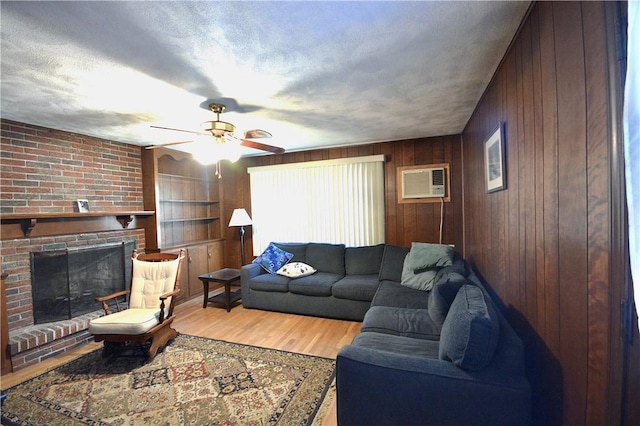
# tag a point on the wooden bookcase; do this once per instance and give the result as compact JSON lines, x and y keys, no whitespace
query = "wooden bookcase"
{"x":187,"y":199}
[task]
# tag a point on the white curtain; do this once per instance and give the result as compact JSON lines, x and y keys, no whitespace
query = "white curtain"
{"x":632,"y":143}
{"x":333,"y":201}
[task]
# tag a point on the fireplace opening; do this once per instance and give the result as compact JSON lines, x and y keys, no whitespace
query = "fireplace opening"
{"x":66,"y":282}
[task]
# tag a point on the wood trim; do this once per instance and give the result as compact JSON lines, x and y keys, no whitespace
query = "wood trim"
{"x":31,"y":225}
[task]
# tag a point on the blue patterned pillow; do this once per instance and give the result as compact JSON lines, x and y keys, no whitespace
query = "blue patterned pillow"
{"x":273,"y":258}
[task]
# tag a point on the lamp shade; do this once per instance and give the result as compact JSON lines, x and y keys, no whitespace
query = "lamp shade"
{"x":240,"y":217}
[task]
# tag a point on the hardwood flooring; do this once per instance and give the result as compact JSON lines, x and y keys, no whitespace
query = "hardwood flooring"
{"x":295,"y":333}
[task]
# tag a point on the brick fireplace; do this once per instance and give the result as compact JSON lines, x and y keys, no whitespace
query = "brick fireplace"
{"x":43,"y":172}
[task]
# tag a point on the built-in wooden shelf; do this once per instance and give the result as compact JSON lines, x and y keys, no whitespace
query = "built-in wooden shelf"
{"x":31,"y":225}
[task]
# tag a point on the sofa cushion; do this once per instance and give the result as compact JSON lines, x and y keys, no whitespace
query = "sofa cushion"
{"x":269,"y":282}
{"x":356,"y":287}
{"x":397,"y":344}
{"x":296,"y":270}
{"x":392,"y":262}
{"x":417,"y":280}
{"x":326,"y":257}
{"x":415,"y":323}
{"x":299,"y":250}
{"x":471,"y":330}
{"x":273,"y":258}
{"x":425,"y":256}
{"x":442,"y":295}
{"x":318,"y":284}
{"x":363,"y":260}
{"x":391,"y":293}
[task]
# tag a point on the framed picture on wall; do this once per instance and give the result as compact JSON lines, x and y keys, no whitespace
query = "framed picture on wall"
{"x":494,"y":164}
{"x":83,"y":206}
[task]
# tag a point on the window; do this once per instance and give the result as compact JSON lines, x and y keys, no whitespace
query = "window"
{"x":632,"y":144}
{"x":333,"y":201}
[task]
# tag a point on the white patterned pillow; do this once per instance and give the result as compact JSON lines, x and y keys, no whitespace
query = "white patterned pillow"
{"x":296,"y":270}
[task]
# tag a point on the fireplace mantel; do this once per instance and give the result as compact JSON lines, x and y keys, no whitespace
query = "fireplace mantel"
{"x":31,"y":225}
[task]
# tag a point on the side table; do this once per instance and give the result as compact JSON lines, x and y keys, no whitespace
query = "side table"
{"x":224,"y":276}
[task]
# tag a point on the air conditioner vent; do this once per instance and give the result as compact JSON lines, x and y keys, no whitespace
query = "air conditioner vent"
{"x":423,"y":183}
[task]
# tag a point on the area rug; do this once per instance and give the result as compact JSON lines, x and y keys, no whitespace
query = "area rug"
{"x":194,"y":381}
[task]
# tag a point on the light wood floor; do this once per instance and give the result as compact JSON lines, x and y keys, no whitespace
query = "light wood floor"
{"x":294,"y":333}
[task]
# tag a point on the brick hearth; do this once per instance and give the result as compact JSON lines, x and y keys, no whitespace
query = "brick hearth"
{"x":45,"y":171}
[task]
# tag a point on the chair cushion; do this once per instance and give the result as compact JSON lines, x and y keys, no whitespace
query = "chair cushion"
{"x":130,"y":321}
{"x":471,"y":330}
{"x":150,"y":280}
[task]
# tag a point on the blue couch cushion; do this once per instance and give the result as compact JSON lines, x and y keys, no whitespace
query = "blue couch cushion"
{"x":363,"y":260}
{"x":270,"y":282}
{"x":471,"y":330}
{"x":415,"y":323}
{"x":326,"y":257}
{"x":397,"y":344}
{"x":273,"y":258}
{"x":392,"y":262}
{"x":318,"y":284}
{"x":356,"y":287}
{"x":299,"y":250}
{"x":442,"y":295}
{"x":391,"y":293}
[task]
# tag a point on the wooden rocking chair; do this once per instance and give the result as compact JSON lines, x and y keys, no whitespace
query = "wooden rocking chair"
{"x":147,"y":321}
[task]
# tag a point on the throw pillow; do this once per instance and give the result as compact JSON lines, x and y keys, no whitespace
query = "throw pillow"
{"x":426,"y":256}
{"x":296,"y":270}
{"x":419,"y":281}
{"x":471,"y":330}
{"x":273,"y":258}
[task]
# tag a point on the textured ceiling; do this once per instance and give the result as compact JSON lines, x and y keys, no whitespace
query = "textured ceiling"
{"x":314,"y":74}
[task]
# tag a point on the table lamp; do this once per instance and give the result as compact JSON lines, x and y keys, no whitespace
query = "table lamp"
{"x":240,"y":218}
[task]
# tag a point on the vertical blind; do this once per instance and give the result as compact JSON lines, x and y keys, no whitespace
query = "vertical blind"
{"x":632,"y":144}
{"x":332,"y":201}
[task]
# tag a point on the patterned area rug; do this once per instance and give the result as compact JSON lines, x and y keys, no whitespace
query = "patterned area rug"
{"x":194,"y":381}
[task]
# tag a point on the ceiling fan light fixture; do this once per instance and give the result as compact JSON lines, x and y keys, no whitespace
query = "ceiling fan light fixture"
{"x":218,"y":128}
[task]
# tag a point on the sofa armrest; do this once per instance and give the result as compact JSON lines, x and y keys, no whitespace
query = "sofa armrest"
{"x":377,"y":387}
{"x":250,"y":270}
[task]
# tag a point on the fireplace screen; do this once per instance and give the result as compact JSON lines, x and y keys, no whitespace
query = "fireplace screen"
{"x":65,"y":283}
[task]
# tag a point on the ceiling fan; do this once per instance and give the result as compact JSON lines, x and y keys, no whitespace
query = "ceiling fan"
{"x":222,"y":133}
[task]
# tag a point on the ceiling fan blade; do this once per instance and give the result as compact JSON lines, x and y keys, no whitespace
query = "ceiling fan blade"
{"x":181,"y":130}
{"x":256,"y":134}
{"x":261,"y":146}
{"x":167,"y":144}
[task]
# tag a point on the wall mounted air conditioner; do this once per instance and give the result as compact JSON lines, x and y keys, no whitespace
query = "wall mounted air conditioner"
{"x":428,"y":183}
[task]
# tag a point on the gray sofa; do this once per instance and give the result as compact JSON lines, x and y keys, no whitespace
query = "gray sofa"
{"x":442,"y":357}
{"x":446,"y":356}
{"x":343,"y":286}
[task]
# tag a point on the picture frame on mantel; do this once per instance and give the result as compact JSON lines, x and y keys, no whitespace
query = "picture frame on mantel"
{"x":82,"y":206}
{"x":494,"y":160}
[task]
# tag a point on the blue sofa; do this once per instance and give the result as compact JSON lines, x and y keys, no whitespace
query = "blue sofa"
{"x":441,"y":357}
{"x":444,"y":355}
{"x":342,"y":288}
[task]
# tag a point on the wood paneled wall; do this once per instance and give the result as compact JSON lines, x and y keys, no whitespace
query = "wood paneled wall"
{"x":404,"y":222}
{"x":544,"y":244}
